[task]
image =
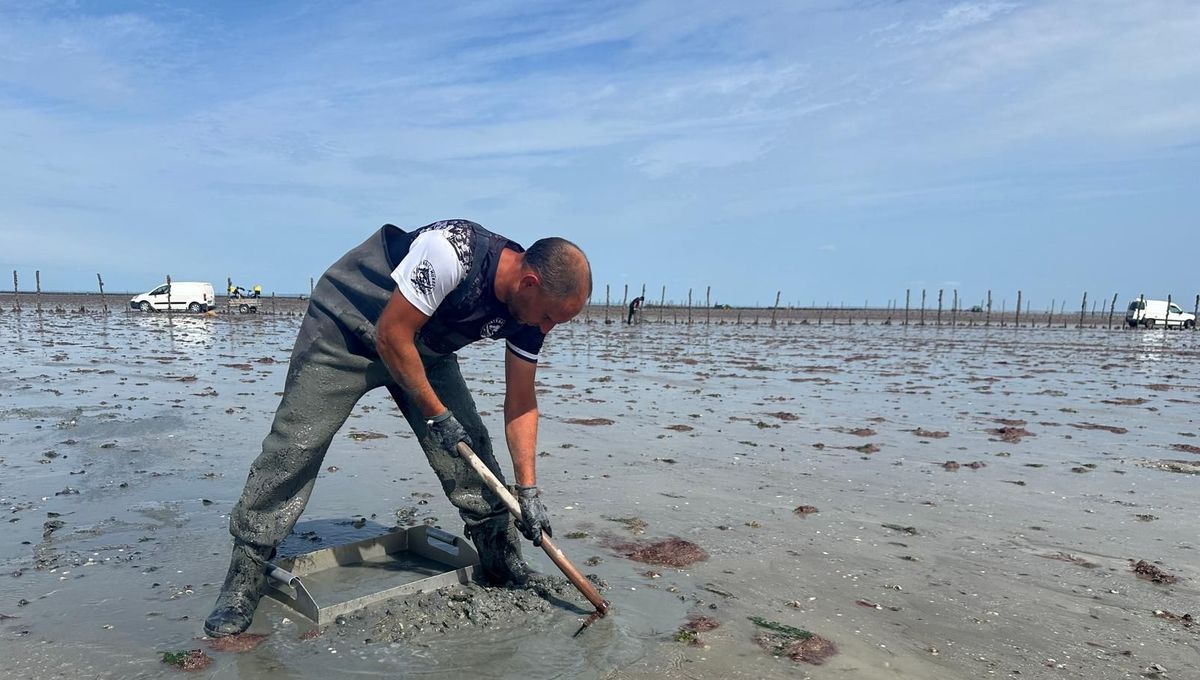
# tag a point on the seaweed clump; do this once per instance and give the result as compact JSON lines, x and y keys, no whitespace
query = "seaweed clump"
{"x":1148,"y":571}
{"x":795,"y":643}
{"x":689,"y":633}
{"x":671,"y":552}
{"x":237,"y":643}
{"x":187,"y":659}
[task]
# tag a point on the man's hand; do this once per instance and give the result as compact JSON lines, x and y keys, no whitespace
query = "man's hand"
{"x":448,"y":432}
{"x":534,"y":520}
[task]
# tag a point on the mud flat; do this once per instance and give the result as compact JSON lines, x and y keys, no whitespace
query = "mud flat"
{"x":1061,"y":543}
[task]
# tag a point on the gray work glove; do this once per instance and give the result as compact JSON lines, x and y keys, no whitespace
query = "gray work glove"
{"x":534,"y":520}
{"x":448,"y":432}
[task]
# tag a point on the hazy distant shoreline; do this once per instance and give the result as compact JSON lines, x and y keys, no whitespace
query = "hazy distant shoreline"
{"x":652,"y":313}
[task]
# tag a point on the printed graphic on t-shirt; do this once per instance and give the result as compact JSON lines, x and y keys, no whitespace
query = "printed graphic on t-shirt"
{"x":458,"y":233}
{"x":491,"y":328}
{"x":424,"y":277}
{"x":437,"y":262}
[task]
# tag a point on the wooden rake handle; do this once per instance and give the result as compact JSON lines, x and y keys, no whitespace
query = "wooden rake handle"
{"x":560,"y":560}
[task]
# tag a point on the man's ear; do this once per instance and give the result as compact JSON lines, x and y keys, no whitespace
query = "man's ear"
{"x":529,"y":279}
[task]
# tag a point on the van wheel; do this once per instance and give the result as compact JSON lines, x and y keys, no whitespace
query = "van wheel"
{"x":243,"y":308}
{"x":145,"y":306}
{"x":1190,"y":323}
{"x":1149,"y":323}
{"x":194,"y":308}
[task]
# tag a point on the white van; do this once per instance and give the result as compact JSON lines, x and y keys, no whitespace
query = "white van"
{"x":193,"y":296}
{"x":1150,"y":313}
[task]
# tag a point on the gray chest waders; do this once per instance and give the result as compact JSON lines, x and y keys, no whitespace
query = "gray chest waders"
{"x":333,"y":364}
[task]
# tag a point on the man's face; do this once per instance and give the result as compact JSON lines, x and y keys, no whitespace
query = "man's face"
{"x":532,"y":307}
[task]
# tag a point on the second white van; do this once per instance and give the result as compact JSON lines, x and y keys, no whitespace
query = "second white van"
{"x":1151,"y":313}
{"x":192,"y":296}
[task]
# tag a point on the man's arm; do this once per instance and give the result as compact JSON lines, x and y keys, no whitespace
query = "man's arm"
{"x":521,"y":417}
{"x":396,"y":343}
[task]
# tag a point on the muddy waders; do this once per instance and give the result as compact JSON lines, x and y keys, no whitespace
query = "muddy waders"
{"x":333,"y":364}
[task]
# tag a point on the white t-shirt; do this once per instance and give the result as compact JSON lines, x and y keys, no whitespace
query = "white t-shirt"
{"x":431,"y":270}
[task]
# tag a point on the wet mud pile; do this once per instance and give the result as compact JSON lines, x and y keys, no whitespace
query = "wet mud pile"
{"x":464,"y":607}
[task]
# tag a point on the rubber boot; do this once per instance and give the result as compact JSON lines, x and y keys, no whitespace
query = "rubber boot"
{"x":499,"y":547}
{"x":243,"y":588}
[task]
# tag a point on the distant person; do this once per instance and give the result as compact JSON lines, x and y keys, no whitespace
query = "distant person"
{"x":257,"y":291}
{"x":634,"y":307}
{"x":391,"y":313}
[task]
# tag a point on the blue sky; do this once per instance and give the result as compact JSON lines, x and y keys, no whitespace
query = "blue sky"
{"x":837,"y":151}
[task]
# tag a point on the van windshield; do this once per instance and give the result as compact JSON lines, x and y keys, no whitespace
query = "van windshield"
{"x":161,"y":290}
{"x":1136,"y":305}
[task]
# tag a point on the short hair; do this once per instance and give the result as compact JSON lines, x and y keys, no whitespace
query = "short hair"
{"x":555,"y":260}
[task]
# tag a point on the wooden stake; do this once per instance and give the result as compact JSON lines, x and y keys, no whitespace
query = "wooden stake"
{"x":954,"y":310}
{"x":169,"y":311}
{"x":988,"y":320}
{"x":37,"y":283}
{"x":16,"y":293}
{"x":1113,"y":306}
{"x":776,"y":307}
{"x":1017,"y":321}
{"x":625,"y":304}
{"x":1083,"y":309}
{"x":662,"y":303}
{"x":103,"y":302}
{"x":607,"y":302}
{"x":1050,"y":318}
{"x":708,"y":305}
{"x":907,"y":297}
{"x":939,"y":316}
{"x":689,"y":306}
{"x":922,"y":306}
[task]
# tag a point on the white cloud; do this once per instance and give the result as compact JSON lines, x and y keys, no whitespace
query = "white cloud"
{"x":964,"y":15}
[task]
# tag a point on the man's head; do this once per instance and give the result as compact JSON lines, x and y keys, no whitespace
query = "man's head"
{"x":555,"y":283}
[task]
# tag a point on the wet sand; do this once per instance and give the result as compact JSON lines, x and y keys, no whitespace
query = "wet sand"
{"x":811,"y":465}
